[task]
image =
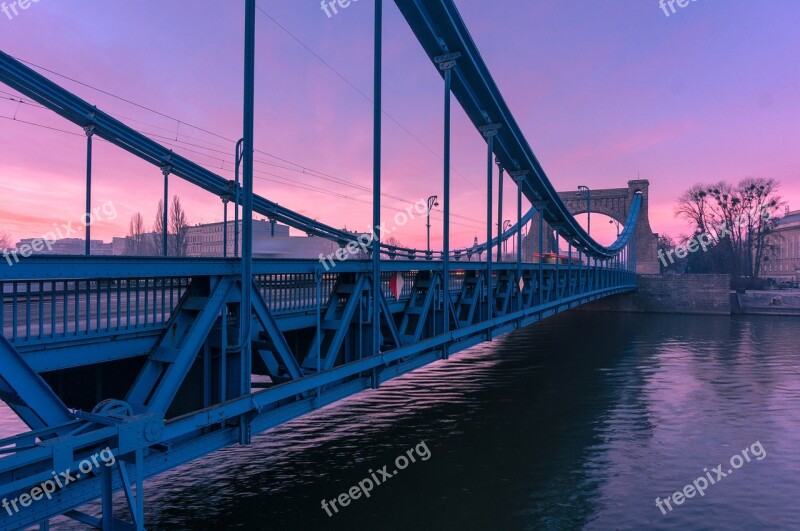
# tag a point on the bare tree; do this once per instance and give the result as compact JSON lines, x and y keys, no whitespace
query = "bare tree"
{"x":178,"y":227}
{"x":725,"y":209}
{"x":394,"y":242}
{"x":692,"y":206}
{"x":762,"y":204}
{"x":137,"y":244}
{"x":669,"y":262}
{"x":158,"y":231}
{"x":738,"y":219}
{"x":5,"y":241}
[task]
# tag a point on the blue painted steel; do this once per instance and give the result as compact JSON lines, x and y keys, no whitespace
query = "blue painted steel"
{"x":489,"y":134}
{"x":175,"y":315}
{"x":377,"y":111}
{"x":285,"y":365}
{"x":165,"y":213}
{"x":500,"y":174}
{"x":245,"y":305}
{"x":447,"y":66}
{"x":438,"y":25}
{"x":170,"y":360}
{"x":265,"y":405}
{"x":239,"y":146}
{"x":26,"y":393}
{"x":88,"y":235}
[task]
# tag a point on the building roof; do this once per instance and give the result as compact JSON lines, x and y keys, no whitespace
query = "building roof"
{"x":790,"y":218}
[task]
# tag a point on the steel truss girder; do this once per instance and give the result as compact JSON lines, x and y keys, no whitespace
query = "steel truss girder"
{"x":469,"y":298}
{"x":265,"y":408}
{"x":172,"y":357}
{"x":505,"y":290}
{"x":348,"y":294}
{"x":530,"y":289}
{"x":26,"y":393}
{"x":285,"y":366}
{"x":387,"y":323}
{"x":134,"y":500}
{"x":416,"y":314}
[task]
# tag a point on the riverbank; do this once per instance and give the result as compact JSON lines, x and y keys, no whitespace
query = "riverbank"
{"x":698,"y":295}
{"x":682,"y":294}
{"x":773,"y":302}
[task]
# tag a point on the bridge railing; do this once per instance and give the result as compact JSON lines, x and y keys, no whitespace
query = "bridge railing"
{"x":39,"y":310}
{"x":98,"y":297}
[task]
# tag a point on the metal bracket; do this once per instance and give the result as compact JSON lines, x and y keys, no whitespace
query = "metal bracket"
{"x":447,"y":61}
{"x":489,"y":130}
{"x":519,"y":175}
{"x":89,"y":130}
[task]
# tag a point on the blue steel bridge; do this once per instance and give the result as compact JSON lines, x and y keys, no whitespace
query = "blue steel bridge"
{"x":165,"y":360}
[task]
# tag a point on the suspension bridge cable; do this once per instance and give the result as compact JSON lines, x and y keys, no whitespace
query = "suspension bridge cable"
{"x":284,"y":180}
{"x":301,"y":168}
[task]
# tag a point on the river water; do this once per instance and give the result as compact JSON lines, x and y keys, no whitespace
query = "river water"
{"x":580,"y":421}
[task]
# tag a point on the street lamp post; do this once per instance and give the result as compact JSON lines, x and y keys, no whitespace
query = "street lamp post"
{"x":432,"y":202}
{"x":588,"y":208}
{"x":614,"y":221}
{"x":506,"y":226}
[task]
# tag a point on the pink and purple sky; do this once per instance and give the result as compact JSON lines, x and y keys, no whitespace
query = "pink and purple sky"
{"x":604,"y":91}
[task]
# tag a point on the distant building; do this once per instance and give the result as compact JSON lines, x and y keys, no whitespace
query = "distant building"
{"x":782,"y":262}
{"x":270,"y":240}
{"x":208,"y":239}
{"x":66,"y":246}
{"x":119,"y":246}
{"x":299,"y":247}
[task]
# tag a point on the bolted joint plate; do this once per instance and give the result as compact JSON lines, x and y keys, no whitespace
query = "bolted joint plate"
{"x":140,"y":432}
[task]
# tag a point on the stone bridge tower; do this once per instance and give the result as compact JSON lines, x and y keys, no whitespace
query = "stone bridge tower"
{"x":614,"y":203}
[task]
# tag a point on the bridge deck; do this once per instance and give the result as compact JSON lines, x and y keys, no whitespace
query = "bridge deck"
{"x":163,"y":360}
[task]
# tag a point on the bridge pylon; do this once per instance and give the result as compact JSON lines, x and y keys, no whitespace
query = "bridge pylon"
{"x":614,"y":203}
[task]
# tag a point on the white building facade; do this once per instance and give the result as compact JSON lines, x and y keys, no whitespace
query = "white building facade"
{"x":782,"y":261}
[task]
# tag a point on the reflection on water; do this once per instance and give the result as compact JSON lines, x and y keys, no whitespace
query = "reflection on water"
{"x":579,"y":421}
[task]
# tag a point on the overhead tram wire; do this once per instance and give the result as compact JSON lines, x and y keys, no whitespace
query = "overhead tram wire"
{"x":42,"y":126}
{"x":190,"y":125}
{"x":301,"y":168}
{"x":170,"y":142}
{"x":358,"y":90}
{"x":284,"y":180}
